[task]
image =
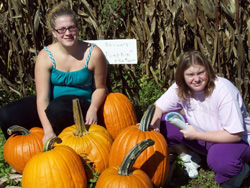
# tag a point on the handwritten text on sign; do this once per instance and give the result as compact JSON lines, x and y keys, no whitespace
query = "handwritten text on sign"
{"x":118,"y":51}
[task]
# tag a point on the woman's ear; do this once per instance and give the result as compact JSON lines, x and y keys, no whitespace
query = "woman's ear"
{"x":53,"y":33}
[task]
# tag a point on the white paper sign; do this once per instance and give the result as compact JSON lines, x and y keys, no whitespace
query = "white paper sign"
{"x":118,"y":51}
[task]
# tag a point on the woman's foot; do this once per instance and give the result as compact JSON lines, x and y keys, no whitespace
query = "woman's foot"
{"x":236,"y":181}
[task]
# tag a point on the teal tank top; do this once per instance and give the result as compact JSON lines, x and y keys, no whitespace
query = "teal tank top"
{"x":78,"y":82}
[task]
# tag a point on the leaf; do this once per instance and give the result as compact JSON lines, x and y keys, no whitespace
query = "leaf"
{"x":37,"y":20}
{"x":209,"y":8}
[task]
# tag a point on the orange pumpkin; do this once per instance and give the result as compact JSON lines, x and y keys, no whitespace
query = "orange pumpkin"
{"x":154,"y":160}
{"x":92,"y":143}
{"x":58,"y":166}
{"x":22,"y":145}
{"x":117,"y":113}
{"x":124,"y":176}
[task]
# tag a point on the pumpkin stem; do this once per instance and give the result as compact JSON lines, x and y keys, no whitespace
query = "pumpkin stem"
{"x":17,"y":128}
{"x":48,"y":145}
{"x":78,"y":118}
{"x":146,"y":118}
{"x":129,"y":160}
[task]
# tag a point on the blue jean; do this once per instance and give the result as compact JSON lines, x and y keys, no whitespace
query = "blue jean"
{"x":23,"y":112}
{"x":226,"y":160}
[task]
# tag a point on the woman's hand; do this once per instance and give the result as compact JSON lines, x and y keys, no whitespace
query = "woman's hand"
{"x":91,"y":117}
{"x":48,"y":135}
{"x":154,"y":127}
{"x":156,"y":119}
{"x":189,"y":133}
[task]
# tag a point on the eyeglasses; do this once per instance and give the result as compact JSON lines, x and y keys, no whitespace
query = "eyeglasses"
{"x":63,"y":30}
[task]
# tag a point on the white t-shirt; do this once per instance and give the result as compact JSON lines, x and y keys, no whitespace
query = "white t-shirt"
{"x":223,"y":109}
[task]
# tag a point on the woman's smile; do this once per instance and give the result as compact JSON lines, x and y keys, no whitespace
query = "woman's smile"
{"x":196,"y":77}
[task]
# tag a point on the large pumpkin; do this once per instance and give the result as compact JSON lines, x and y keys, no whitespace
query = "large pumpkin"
{"x":154,"y":160}
{"x":93,"y":143}
{"x":117,"y":113}
{"x":58,"y":166}
{"x":22,"y":145}
{"x":125,"y":176}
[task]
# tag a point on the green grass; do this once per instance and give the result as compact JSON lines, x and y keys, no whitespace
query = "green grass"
{"x":5,"y":169}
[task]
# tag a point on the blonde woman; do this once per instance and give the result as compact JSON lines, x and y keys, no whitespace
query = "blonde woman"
{"x":66,"y":69}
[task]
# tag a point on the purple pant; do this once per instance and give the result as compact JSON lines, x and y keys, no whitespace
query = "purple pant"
{"x":226,"y":160}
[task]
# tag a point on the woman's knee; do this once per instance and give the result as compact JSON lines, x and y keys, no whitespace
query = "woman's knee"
{"x":20,"y":112}
{"x":62,"y":106}
{"x":4,"y":116}
{"x":60,"y":112}
{"x":55,"y":109}
{"x":223,"y":161}
{"x":171,"y":133}
{"x":59,"y":115}
{"x":5,"y":119}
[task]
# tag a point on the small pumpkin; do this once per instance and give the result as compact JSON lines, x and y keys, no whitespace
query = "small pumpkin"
{"x":58,"y":166}
{"x":154,"y":160}
{"x":22,"y":145}
{"x":125,"y":176}
{"x":117,"y":113}
{"x":92,"y":143}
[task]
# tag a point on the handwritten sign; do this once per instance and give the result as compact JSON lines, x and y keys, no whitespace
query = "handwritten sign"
{"x":118,"y":51}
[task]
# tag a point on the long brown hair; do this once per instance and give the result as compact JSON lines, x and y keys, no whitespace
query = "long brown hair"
{"x":189,"y":58}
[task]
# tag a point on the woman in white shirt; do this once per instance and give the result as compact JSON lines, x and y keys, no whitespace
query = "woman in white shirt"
{"x":217,"y":119}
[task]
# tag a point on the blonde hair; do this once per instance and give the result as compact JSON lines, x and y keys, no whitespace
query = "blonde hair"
{"x":62,"y":9}
{"x":188,"y":59}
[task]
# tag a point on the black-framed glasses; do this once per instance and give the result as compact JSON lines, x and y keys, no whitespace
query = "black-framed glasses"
{"x":63,"y":30}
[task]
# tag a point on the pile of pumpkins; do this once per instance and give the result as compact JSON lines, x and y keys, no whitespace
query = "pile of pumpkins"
{"x":118,"y":149}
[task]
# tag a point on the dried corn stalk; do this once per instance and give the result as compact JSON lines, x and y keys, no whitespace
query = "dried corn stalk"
{"x":164,"y":29}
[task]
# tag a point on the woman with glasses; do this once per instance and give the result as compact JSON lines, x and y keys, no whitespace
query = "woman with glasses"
{"x":218,"y":123}
{"x":66,"y":69}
